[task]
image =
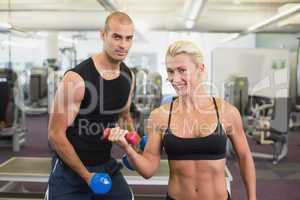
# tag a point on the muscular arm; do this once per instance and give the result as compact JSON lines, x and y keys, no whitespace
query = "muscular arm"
{"x":64,"y":110}
{"x":148,"y":163}
{"x":240,"y":144}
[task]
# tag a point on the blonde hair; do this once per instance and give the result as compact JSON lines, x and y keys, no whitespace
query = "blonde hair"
{"x":185,"y":47}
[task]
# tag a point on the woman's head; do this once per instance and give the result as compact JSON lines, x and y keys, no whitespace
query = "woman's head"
{"x":185,"y":67}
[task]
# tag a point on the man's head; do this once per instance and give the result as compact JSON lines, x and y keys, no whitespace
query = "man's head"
{"x":117,"y":36}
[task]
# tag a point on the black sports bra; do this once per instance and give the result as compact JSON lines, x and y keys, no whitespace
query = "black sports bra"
{"x":211,"y":147}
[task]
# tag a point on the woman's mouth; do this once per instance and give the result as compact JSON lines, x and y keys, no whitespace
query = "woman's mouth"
{"x":179,"y":87}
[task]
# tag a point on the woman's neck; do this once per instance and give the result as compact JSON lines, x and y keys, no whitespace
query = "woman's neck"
{"x":195,"y":101}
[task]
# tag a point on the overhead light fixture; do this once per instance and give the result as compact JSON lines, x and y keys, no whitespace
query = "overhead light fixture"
{"x":267,"y":22}
{"x":191,"y":10}
{"x":111,"y":6}
{"x":231,"y":37}
{"x":275,"y":18}
{"x":4,"y":26}
{"x":42,"y":34}
{"x":68,"y":40}
{"x":189,"y":24}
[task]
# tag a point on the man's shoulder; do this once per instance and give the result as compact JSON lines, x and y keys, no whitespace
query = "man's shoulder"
{"x":82,"y":69}
{"x":126,"y":69}
{"x":84,"y":63}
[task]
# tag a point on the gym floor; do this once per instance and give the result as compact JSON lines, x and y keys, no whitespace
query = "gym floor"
{"x":274,"y":182}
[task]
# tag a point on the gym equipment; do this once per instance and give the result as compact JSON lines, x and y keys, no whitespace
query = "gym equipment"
{"x":12,"y":131}
{"x":100,"y":183}
{"x":147,"y":96}
{"x":38,"y":90}
{"x":54,"y":78}
{"x":268,"y":77}
{"x":268,"y":124}
{"x":131,"y":137}
{"x":298,"y":76}
{"x":236,"y":92}
{"x":143,"y":142}
{"x":295,"y":92}
{"x":265,"y":119}
{"x":126,"y":162}
{"x":142,"y":145}
{"x":34,"y":169}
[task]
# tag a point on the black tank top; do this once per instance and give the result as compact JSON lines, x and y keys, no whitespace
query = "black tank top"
{"x":211,"y":147}
{"x":103,"y":101}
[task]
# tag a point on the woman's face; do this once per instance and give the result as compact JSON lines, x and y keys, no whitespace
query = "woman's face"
{"x":183,"y":73}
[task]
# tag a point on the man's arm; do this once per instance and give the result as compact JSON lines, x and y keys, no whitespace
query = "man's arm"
{"x":64,"y":110}
{"x":240,"y":144}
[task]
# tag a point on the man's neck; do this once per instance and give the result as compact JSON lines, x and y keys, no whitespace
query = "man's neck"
{"x":104,"y":62}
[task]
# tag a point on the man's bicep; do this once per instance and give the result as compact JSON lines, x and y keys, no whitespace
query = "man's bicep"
{"x":66,"y":102}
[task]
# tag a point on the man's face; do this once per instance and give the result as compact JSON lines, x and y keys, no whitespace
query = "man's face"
{"x":118,"y":40}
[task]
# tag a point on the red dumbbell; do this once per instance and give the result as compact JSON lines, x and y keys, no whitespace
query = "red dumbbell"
{"x":131,"y":137}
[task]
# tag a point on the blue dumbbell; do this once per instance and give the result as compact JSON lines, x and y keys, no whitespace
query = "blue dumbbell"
{"x":142,"y":145}
{"x":143,"y":142}
{"x":127,"y":163}
{"x":100,"y":183}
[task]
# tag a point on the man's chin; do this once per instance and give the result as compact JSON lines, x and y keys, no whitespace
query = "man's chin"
{"x":119,"y":58}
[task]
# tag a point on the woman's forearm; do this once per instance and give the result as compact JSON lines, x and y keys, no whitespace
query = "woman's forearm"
{"x":247,"y":169}
{"x":145,"y":164}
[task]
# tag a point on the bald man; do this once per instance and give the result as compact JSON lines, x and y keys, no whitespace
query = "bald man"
{"x":94,"y":95}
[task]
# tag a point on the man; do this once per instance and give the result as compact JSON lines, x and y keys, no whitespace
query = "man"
{"x":93,"y":95}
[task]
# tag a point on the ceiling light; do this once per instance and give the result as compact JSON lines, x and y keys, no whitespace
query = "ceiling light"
{"x":4,"y":26}
{"x":267,"y":22}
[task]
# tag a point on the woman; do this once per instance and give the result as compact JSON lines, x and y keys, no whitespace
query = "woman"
{"x":193,"y":130}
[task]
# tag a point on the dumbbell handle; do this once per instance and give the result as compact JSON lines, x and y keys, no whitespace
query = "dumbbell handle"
{"x":131,"y":137}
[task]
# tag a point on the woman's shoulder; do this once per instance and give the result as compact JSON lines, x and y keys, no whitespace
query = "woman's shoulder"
{"x":228,"y":112}
{"x":162,"y":111}
{"x":223,"y":105}
{"x":158,"y":118}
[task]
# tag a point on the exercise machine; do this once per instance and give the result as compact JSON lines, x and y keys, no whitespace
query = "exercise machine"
{"x":265,"y":119}
{"x":12,"y":131}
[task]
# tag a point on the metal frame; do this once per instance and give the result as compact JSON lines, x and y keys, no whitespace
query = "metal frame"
{"x":16,"y":175}
{"x":17,"y":131}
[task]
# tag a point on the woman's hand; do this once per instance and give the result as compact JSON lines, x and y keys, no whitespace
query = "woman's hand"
{"x":117,"y":135}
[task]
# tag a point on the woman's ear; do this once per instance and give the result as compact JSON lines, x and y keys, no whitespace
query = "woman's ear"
{"x":201,"y":67}
{"x":102,"y":35}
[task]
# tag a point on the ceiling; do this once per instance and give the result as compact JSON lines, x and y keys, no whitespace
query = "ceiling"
{"x":162,"y":15}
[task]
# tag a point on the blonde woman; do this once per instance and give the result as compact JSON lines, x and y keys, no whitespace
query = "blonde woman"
{"x":192,"y":130}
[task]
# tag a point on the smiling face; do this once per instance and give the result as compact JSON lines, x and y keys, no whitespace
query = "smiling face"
{"x":184,"y":74}
{"x":117,"y":40}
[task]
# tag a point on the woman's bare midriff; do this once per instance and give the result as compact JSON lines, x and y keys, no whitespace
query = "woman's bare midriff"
{"x":197,"y":180}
